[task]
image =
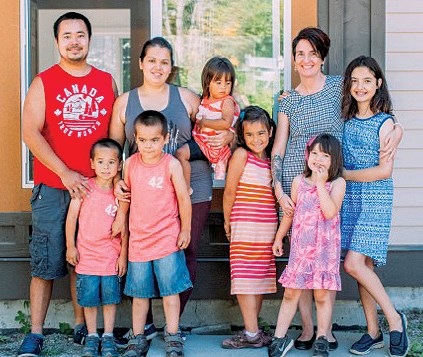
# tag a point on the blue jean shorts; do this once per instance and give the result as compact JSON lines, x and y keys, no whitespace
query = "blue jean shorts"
{"x":47,"y":244}
{"x":162,"y":277}
{"x":94,"y":290}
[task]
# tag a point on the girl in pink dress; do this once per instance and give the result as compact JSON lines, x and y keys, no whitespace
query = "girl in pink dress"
{"x":315,"y":243}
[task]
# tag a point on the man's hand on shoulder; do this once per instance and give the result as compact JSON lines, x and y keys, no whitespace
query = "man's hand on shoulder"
{"x":76,"y":184}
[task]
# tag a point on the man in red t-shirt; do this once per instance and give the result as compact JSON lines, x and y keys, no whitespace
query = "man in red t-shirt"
{"x":67,"y":108}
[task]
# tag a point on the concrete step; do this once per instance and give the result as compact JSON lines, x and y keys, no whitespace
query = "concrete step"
{"x":207,"y":345}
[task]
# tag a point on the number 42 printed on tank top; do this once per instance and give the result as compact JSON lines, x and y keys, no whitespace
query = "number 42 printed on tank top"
{"x":156,"y":182}
{"x":111,"y":210}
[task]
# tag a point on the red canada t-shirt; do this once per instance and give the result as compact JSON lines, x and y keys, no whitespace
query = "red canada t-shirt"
{"x":78,"y":112}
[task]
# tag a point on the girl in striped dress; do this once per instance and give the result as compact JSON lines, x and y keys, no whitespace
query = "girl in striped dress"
{"x":250,"y":223}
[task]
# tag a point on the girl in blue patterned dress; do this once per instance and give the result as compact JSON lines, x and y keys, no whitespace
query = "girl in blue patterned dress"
{"x":367,"y":208}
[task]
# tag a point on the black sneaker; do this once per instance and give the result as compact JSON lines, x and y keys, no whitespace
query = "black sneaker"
{"x":80,"y":333}
{"x":398,"y":341}
{"x":31,"y":345}
{"x":90,"y":349}
{"x":321,"y":347}
{"x":366,"y":343}
{"x":280,"y":346}
{"x":150,"y":332}
{"x":333,"y":345}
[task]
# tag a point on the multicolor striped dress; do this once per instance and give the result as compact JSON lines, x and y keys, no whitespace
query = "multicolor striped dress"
{"x":253,"y":228}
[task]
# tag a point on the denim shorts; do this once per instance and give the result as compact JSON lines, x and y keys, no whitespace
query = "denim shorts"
{"x":162,"y":277}
{"x":47,"y":244}
{"x":94,"y":290}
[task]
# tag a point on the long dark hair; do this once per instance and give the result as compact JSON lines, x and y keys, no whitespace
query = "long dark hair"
{"x":331,"y":146}
{"x":381,"y":102}
{"x":216,"y":67}
{"x":252,"y":114}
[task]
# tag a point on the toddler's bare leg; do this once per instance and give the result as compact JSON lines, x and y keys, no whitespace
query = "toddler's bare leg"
{"x":287,"y":311}
{"x":91,"y":318}
{"x":171,"y":306}
{"x":249,"y":309}
{"x":324,"y":307}
{"x":306,"y":311}
{"x":109,"y":314}
{"x":139,"y":314}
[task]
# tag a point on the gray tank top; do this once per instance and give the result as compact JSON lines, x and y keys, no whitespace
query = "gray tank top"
{"x":179,"y":126}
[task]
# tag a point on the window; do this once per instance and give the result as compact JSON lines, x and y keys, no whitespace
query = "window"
{"x":248,"y":32}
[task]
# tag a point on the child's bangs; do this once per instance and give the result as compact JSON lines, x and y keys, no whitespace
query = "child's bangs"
{"x":322,"y":144}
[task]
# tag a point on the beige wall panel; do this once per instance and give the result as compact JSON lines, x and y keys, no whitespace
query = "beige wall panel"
{"x":407,"y":100}
{"x":410,"y":119}
{"x":407,"y":216}
{"x":406,"y":158}
{"x":404,"y":6}
{"x":12,"y":197}
{"x":408,"y":197}
{"x":412,"y":139}
{"x":397,"y":42}
{"x":402,"y":80}
{"x":411,"y":22}
{"x":409,"y":177}
{"x":412,"y":235}
{"x":409,"y":61}
{"x":304,"y":14}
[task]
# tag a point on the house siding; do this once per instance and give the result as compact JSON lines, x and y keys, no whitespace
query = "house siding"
{"x":404,"y":74}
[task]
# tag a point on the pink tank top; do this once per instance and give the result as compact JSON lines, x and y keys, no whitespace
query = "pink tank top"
{"x":153,"y":217}
{"x":97,"y":250}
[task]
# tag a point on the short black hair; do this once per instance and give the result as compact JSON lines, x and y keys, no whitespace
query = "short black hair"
{"x":107,"y":143}
{"x":151,"y":118}
{"x":71,"y":16}
{"x":317,"y":38}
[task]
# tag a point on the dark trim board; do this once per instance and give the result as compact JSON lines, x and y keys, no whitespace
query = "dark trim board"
{"x":403,"y":270}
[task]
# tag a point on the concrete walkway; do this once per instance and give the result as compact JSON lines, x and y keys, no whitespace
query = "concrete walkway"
{"x":207,"y":345}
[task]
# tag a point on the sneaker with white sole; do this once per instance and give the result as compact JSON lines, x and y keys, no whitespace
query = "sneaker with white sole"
{"x":398,"y":341}
{"x":366,"y":343}
{"x":280,"y":346}
{"x":31,"y":345}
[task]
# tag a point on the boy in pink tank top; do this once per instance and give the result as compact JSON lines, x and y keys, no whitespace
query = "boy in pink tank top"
{"x":100,"y":260}
{"x":159,"y":228}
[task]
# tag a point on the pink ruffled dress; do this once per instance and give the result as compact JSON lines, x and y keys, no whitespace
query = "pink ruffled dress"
{"x":315,"y":245}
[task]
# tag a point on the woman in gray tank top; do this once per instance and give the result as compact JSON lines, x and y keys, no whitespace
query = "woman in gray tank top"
{"x":179,"y":105}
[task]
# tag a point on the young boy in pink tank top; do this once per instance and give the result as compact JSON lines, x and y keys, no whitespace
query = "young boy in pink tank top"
{"x":99,"y":259}
{"x":159,"y":228}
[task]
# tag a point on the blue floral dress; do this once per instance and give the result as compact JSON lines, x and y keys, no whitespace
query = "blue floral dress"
{"x":367,"y":208}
